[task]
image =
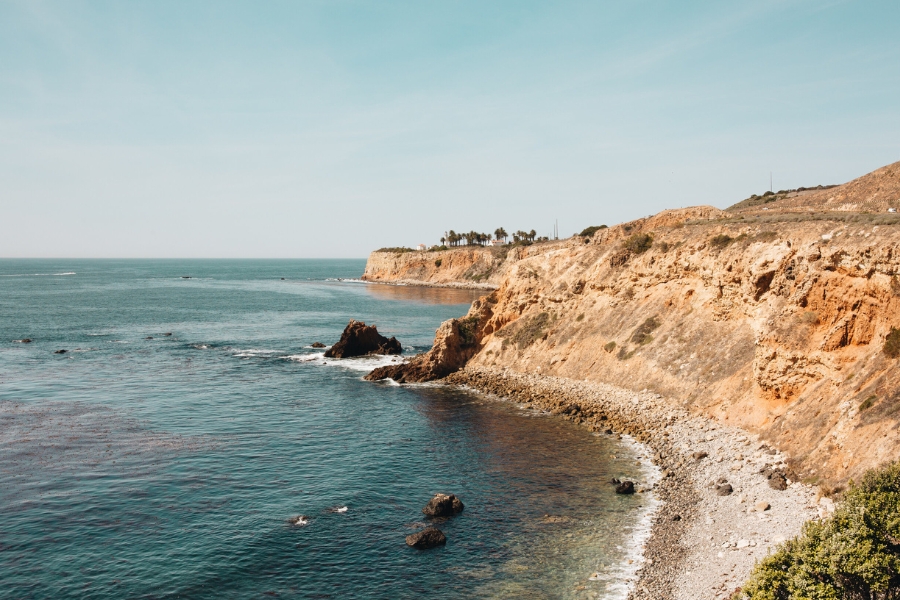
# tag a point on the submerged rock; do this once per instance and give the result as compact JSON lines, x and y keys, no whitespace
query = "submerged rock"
{"x":443,"y":505}
{"x":299,"y":520}
{"x":427,"y":538}
{"x":24,"y":341}
{"x":60,"y":352}
{"x":360,"y":339}
{"x":626,"y":487}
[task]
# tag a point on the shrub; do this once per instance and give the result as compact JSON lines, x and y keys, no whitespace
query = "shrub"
{"x":868,"y":402}
{"x":892,"y":343}
{"x":721,"y":241}
{"x":809,"y":317}
{"x":396,"y":250}
{"x":895,"y":285}
{"x":662,"y":247}
{"x":531,"y":330}
{"x":853,"y":555}
{"x":639,"y":243}
{"x":610,"y":346}
{"x":589,"y":231}
{"x":641,"y":335}
{"x":468,"y":330}
{"x":438,"y":262}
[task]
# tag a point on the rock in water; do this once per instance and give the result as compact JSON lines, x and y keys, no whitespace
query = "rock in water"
{"x":427,"y":538}
{"x":360,"y":339}
{"x":60,"y":352}
{"x":626,"y":487}
{"x":443,"y":505}
{"x":318,"y":345}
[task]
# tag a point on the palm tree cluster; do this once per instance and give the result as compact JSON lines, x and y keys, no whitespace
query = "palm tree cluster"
{"x":473,"y":238}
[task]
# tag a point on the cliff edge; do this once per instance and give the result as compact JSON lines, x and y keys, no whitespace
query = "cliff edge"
{"x":776,"y":323}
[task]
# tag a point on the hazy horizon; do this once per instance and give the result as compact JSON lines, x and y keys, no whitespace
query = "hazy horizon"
{"x":329,"y":129}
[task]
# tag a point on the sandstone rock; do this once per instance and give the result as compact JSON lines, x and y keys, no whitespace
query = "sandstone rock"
{"x":699,"y":455}
{"x":724,"y":489}
{"x":318,"y":345}
{"x":427,"y":538}
{"x":443,"y":505}
{"x":761,"y":506}
{"x":626,"y":487}
{"x":360,"y":339}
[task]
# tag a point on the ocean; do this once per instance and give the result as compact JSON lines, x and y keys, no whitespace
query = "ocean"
{"x":163,"y":454}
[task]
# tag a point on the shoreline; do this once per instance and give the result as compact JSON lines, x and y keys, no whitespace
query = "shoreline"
{"x":488,"y":287}
{"x":702,"y":545}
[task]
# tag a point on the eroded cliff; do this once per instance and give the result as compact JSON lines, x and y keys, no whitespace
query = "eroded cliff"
{"x":775,"y":323}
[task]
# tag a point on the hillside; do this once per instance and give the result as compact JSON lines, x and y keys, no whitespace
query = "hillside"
{"x":875,"y":192}
{"x":772,"y":322}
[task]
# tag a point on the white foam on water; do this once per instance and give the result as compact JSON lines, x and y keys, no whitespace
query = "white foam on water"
{"x":358,"y":363}
{"x":200,"y":346}
{"x":256,"y":353}
{"x":624,"y":576}
{"x":36,"y":274}
{"x":69,"y":273}
{"x":347,"y":280}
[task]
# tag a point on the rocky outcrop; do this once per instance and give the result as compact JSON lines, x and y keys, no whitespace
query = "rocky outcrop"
{"x":443,"y":505}
{"x":625,"y":487}
{"x":360,"y":339}
{"x":456,"y":341}
{"x":427,"y":538}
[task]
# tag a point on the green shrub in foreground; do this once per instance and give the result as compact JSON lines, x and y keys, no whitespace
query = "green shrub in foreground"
{"x":854,"y":555}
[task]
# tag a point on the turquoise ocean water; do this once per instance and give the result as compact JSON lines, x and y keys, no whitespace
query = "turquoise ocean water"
{"x":168,"y":467}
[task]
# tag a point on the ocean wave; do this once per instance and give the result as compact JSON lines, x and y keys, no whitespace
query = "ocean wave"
{"x":257,"y":353}
{"x":359,"y":363}
{"x":37,"y":274}
{"x":346,"y":280}
{"x":625,"y":575}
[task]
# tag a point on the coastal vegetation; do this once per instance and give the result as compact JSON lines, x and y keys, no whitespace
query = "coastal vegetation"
{"x":892,"y":343}
{"x":589,"y":231}
{"x":853,"y":555}
{"x":639,"y":243}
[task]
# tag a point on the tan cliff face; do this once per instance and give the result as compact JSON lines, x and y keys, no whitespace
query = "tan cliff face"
{"x":465,"y":266}
{"x":775,"y":326}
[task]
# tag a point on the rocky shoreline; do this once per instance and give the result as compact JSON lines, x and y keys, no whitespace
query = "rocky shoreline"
{"x":722,"y":503}
{"x":487,"y":287}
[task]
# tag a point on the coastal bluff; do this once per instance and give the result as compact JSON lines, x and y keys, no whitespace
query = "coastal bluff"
{"x":776,"y":322}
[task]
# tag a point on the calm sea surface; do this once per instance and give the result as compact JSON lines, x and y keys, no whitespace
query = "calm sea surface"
{"x":168,"y":467}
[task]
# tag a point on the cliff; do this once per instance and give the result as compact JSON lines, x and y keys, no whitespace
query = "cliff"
{"x":466,"y":266}
{"x":773,"y":322}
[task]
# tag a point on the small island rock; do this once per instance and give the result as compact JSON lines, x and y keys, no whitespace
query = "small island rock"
{"x":443,"y":505}
{"x":626,"y":487}
{"x":360,"y":339}
{"x":427,"y":538}
{"x":318,"y":345}
{"x":60,"y":352}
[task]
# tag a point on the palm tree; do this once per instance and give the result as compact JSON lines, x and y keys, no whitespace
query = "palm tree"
{"x":443,"y":240}
{"x":452,"y":237}
{"x":500,"y":234}
{"x":532,"y":234}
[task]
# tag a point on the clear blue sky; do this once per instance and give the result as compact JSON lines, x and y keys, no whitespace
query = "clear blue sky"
{"x":327,"y":129}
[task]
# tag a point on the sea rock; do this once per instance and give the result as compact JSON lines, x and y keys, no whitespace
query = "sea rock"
{"x":626,"y":487}
{"x":299,"y":520}
{"x":318,"y":345}
{"x":427,"y":538}
{"x":724,"y":489}
{"x":360,"y":339}
{"x":455,"y":342}
{"x":24,"y":341}
{"x":60,"y":352}
{"x":443,"y":505}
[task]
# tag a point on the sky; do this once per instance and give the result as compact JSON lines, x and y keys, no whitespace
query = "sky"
{"x":328,"y":129}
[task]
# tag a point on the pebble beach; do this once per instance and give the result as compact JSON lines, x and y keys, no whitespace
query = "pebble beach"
{"x":726,"y":498}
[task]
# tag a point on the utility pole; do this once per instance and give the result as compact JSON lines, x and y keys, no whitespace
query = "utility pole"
{"x":770,"y":182}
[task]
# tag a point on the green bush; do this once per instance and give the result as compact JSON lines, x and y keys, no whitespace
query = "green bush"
{"x":438,"y":262}
{"x":397,"y":250}
{"x":639,"y":243}
{"x":868,"y":402}
{"x":609,"y":346}
{"x":721,"y":241}
{"x":854,"y":555}
{"x":589,"y":231}
{"x":892,"y":343}
{"x":641,"y":335}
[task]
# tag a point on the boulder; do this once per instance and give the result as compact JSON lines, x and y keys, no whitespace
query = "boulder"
{"x":699,"y":455}
{"x":762,"y":506}
{"x":724,"y":489}
{"x":60,"y":352}
{"x":360,"y":339}
{"x":427,"y":538}
{"x":318,"y":345}
{"x":24,"y":341}
{"x":443,"y":505}
{"x":777,"y":478}
{"x":626,"y":487}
